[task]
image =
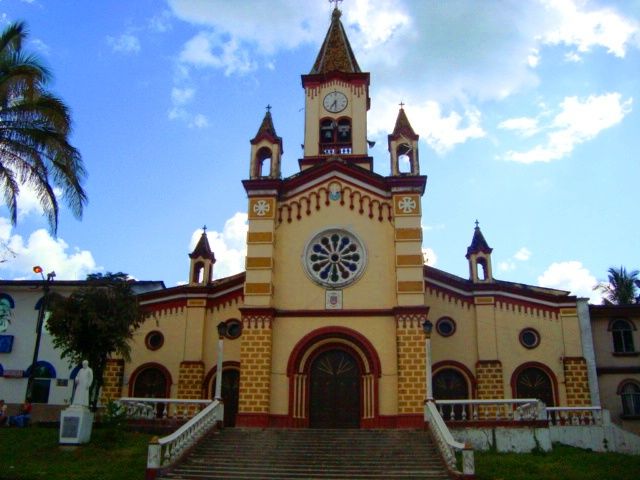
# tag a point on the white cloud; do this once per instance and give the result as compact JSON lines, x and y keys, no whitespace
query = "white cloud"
{"x":229,"y":246}
{"x":523,"y":254}
{"x":575,"y":25}
{"x":182,"y":96}
{"x":429,"y":256}
{"x":511,"y":264}
{"x":199,"y":121}
{"x":507,"y":266}
{"x":578,"y":121}
{"x":571,"y":276}
{"x":125,"y":43}
{"x":161,"y":22}
{"x":533,"y":59}
{"x":441,"y":130}
{"x":209,"y":50}
{"x":53,"y":254}
{"x":524,"y":126}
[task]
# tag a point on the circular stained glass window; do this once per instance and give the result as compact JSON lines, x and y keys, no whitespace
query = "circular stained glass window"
{"x":154,"y":340}
{"x":334,"y":258}
{"x":446,"y":326}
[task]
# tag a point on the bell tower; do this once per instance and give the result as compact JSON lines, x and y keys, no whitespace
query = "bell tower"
{"x":403,"y":147}
{"x":336,"y":103}
{"x":202,"y":261}
{"x":479,"y":256}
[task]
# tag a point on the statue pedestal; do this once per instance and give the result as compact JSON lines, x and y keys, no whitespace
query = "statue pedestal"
{"x":76,"y":423}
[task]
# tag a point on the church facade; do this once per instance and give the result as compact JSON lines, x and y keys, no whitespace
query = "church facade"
{"x":325,"y":328}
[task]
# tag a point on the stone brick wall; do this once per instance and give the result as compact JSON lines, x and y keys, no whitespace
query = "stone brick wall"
{"x":255,"y":364}
{"x":190,"y":378}
{"x":112,"y":380}
{"x":411,"y":364}
{"x":576,"y":381}
{"x":490,"y":385}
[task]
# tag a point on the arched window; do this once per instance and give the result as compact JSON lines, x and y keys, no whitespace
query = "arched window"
{"x":263,"y":162}
{"x":326,"y":131}
{"x":151,"y":381}
{"x":622,"y":333}
{"x":404,"y":153}
{"x":344,"y":131}
{"x":534,"y":382}
{"x":481,"y":269}
{"x":450,"y":384}
{"x":630,"y":396}
{"x":198,"y":272}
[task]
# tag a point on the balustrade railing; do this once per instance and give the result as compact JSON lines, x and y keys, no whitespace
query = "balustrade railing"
{"x":516,"y":410}
{"x":150,"y":408}
{"x":575,"y":416}
{"x":446,"y":443}
{"x":164,"y":452}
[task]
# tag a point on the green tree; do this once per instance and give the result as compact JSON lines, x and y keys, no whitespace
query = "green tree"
{"x":621,"y":287}
{"x":95,"y":323}
{"x":35,"y":126}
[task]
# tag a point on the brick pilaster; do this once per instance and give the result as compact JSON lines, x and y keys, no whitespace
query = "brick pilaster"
{"x":112,"y":380}
{"x":255,"y":364}
{"x":576,"y":381}
{"x":411,"y":359}
{"x":190,"y":378}
{"x":490,"y":385}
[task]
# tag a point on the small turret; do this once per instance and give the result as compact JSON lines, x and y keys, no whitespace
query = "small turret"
{"x":479,"y":256}
{"x":202,"y":261}
{"x":266,"y":147}
{"x":403,"y":146}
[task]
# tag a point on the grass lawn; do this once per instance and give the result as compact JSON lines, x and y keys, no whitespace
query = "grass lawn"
{"x":33,"y":453}
{"x":563,"y":463}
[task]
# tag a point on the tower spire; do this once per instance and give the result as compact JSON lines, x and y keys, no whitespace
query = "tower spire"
{"x":335,"y":54}
{"x":479,"y":256}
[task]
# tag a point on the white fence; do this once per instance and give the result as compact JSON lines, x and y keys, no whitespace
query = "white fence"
{"x":150,"y":408}
{"x":516,"y":410}
{"x":446,"y":444}
{"x":164,"y":452}
{"x":560,"y":416}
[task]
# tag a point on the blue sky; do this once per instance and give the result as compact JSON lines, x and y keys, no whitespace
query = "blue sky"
{"x":527,"y":114}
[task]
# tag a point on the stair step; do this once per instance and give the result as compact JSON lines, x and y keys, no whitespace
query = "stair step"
{"x":312,"y":454}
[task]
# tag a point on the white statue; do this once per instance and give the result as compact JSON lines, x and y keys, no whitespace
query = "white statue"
{"x":84,"y":379}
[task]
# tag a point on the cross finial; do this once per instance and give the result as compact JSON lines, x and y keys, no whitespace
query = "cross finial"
{"x":336,"y":2}
{"x":401,"y":104}
{"x":477,"y":223}
{"x":204,"y":229}
{"x":268,"y":108}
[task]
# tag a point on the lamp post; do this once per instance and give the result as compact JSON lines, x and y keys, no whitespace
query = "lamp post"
{"x":46,"y":282}
{"x":222,"y":331}
{"x":427,"y":327}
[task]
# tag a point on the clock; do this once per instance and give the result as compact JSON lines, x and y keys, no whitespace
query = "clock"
{"x":335,"y":102}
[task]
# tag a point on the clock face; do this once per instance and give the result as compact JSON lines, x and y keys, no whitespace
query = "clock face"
{"x":335,"y":102}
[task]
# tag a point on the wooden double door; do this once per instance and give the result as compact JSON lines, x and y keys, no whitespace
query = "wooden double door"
{"x":334,"y":391}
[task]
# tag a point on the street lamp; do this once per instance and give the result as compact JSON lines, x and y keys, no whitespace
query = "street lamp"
{"x":222,"y":332}
{"x":46,"y":282}
{"x":427,"y":327}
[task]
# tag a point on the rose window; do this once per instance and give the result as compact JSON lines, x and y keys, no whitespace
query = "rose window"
{"x":334,"y":258}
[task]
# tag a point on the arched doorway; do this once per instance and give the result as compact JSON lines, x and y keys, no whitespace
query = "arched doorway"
{"x":230,"y":394}
{"x":534,"y":382}
{"x":333,"y":380}
{"x":334,"y":391}
{"x":450,"y":384}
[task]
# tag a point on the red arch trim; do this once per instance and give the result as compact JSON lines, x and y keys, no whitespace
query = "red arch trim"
{"x":545,"y":369}
{"x":327,"y":333}
{"x":145,"y":366}
{"x":624,"y":382}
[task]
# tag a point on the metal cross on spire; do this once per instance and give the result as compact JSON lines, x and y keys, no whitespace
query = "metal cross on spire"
{"x":268,"y":108}
{"x":204,"y":229}
{"x":477,"y":223}
{"x":337,"y":2}
{"x":401,"y":104}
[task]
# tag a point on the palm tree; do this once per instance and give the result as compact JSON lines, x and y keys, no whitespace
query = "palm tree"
{"x":34,"y":134}
{"x":621,"y":289}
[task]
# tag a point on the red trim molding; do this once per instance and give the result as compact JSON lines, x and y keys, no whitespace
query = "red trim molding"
{"x":545,"y":369}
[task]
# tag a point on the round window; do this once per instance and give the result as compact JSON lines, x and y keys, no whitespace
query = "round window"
{"x":234,"y":329}
{"x":529,"y":338}
{"x":154,"y":340}
{"x":334,"y":258}
{"x":446,"y":326}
